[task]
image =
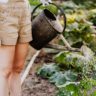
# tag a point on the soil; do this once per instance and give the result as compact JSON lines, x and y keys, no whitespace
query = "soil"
{"x":34,"y":85}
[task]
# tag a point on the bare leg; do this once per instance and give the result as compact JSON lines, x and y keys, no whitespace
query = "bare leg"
{"x":19,"y":60}
{"x":6,"y":61}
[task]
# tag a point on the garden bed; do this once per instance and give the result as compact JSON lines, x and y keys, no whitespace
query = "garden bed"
{"x":35,"y":85}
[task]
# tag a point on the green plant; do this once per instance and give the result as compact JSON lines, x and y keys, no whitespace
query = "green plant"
{"x":48,"y":70}
{"x":92,"y":16}
{"x":74,"y":73}
{"x":69,"y":90}
{"x":62,"y":78}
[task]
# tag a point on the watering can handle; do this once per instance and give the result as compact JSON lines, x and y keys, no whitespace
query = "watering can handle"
{"x":62,"y":11}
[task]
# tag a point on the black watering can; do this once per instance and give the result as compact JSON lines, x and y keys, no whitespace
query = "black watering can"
{"x":45,"y":27}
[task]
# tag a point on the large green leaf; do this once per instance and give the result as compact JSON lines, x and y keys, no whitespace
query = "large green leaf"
{"x":69,"y":90}
{"x":60,"y":78}
{"x":48,"y":70}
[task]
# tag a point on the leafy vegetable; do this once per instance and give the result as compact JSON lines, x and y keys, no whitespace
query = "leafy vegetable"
{"x":48,"y":70}
{"x":87,"y":83}
{"x":92,"y":16}
{"x":69,"y":90}
{"x":60,"y":78}
{"x":81,"y":62}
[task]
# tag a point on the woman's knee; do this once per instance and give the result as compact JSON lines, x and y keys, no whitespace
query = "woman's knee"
{"x":5,"y":72}
{"x":6,"y":67}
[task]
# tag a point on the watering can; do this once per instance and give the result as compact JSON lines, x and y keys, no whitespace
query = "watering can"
{"x":45,"y":27}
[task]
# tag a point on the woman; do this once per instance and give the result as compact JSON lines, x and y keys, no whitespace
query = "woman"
{"x":15,"y":33}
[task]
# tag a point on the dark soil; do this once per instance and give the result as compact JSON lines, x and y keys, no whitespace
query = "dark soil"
{"x":34,"y":85}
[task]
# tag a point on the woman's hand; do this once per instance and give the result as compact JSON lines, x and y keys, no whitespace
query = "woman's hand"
{"x":45,"y":2}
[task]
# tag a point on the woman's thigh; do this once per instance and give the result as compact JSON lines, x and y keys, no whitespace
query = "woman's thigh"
{"x":6,"y":58}
{"x":20,"y":56}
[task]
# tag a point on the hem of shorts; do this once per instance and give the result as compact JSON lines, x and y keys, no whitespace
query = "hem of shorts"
{"x":9,"y":42}
{"x":25,"y":40}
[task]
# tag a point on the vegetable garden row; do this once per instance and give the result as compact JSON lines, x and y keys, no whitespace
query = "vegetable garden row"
{"x":74,"y":73}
